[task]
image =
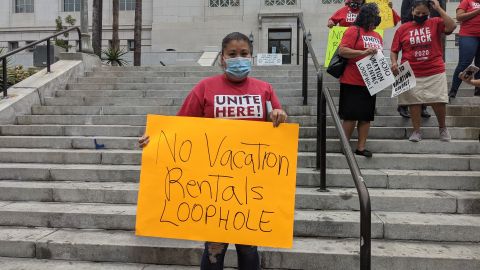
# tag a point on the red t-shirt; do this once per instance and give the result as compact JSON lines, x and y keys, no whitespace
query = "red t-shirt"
{"x":366,"y":40}
{"x":346,"y":16}
{"x":421,"y":46}
{"x":470,"y":27}
{"x":217,"y":97}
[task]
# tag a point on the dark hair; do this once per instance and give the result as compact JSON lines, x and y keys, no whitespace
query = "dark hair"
{"x":417,"y":3}
{"x":367,"y":16}
{"x":236,"y":36}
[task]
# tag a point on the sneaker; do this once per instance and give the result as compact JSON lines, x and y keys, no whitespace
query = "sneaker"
{"x":452,"y":94}
{"x":364,"y":153}
{"x":445,"y":135}
{"x":425,"y":113}
{"x":416,"y":136}
{"x":403,"y":111}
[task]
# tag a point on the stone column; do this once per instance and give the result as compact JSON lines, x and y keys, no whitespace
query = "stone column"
{"x":86,"y":40}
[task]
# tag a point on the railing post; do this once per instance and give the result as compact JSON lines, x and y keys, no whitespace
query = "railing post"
{"x":305,"y":70}
{"x":321,"y":133}
{"x":79,"y":40}
{"x":48,"y":55}
{"x":5,"y":76}
{"x":365,"y":231}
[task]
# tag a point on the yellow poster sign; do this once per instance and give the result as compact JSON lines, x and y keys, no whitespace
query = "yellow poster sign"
{"x":218,"y":180}
{"x":334,"y":38}
{"x":385,"y":12}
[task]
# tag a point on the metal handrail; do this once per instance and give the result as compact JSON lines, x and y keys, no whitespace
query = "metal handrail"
{"x":47,"y":39}
{"x":324,"y":98}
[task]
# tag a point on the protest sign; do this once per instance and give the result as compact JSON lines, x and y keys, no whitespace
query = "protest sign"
{"x":386,"y":13}
{"x":334,"y":38}
{"x":269,"y":59}
{"x":216,"y":180}
{"x":376,"y":72}
{"x":404,"y":81}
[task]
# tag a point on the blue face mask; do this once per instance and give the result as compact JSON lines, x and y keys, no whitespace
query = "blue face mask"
{"x":238,"y":67}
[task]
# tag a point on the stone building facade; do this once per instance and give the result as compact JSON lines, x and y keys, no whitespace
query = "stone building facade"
{"x":178,"y":31}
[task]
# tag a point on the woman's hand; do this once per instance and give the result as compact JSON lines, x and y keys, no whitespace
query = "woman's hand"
{"x":394,"y":68}
{"x":330,"y":24}
{"x":143,"y":141}
{"x":370,"y":51}
{"x":278,"y":116}
{"x":435,"y":5}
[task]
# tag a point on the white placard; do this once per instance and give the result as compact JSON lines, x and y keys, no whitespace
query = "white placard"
{"x":404,"y":81}
{"x":269,"y":59}
{"x":376,"y":72}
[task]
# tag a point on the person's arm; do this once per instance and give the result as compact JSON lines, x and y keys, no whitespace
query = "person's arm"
{"x":394,"y":59}
{"x":450,"y":24}
{"x":475,"y":83}
{"x":462,"y":15}
{"x":349,"y":53}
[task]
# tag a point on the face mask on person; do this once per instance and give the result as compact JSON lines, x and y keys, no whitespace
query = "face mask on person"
{"x":420,"y":19}
{"x":238,"y":67}
{"x":355,"y":5}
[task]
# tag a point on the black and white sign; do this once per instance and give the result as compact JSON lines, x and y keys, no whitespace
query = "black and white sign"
{"x":404,"y":81}
{"x":269,"y":59}
{"x":376,"y":72}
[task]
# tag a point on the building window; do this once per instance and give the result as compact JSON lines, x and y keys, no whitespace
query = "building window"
{"x":131,"y":45}
{"x":281,"y":2}
{"x":71,"y":5}
{"x":127,"y":4}
{"x":224,"y":3}
{"x":12,"y":45}
{"x":23,"y":6}
{"x":332,"y":1}
{"x":31,"y":49}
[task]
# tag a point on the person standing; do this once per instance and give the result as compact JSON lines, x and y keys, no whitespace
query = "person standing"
{"x":347,"y":15}
{"x":468,"y":14}
{"x":357,"y":106}
{"x":420,"y":42}
{"x":204,"y":100}
{"x":406,"y":16}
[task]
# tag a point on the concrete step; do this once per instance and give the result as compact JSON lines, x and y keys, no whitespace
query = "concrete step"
{"x":164,"y":86}
{"x":305,"y":145}
{"x":203,"y":74}
{"x":396,"y":200}
{"x":342,"y":224}
{"x":453,"y":110}
{"x":304,"y":121}
{"x":383,"y":178}
{"x":145,"y":79}
{"x":457,"y":133}
{"x":178,"y":101}
{"x":307,"y":253}
{"x":442,"y":162}
{"x":39,"y":264}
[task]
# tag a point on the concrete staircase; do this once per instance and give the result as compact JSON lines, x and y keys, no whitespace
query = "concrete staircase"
{"x":66,"y":205}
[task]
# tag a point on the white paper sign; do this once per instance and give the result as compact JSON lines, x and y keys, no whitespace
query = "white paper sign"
{"x":376,"y":72}
{"x":269,"y":59}
{"x":404,"y":81}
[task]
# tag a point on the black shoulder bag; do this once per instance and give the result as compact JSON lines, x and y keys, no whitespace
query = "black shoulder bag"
{"x":337,"y":64}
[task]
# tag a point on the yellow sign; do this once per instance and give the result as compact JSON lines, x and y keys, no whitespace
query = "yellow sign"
{"x":386,"y":13}
{"x":334,"y":38}
{"x":229,"y":181}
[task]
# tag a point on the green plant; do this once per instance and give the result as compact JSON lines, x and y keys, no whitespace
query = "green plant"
{"x":59,"y":27}
{"x":18,"y":74}
{"x":113,"y":56}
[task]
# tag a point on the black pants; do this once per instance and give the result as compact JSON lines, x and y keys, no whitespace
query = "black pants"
{"x":214,"y":255}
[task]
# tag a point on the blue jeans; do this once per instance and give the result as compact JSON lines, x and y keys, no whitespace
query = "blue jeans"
{"x":214,"y":255}
{"x":469,"y":49}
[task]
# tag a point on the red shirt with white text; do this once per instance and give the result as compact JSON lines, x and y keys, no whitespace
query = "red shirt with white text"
{"x":421,"y":46}
{"x":470,"y":27}
{"x":217,"y":97}
{"x":346,"y":16}
{"x":366,"y":40}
